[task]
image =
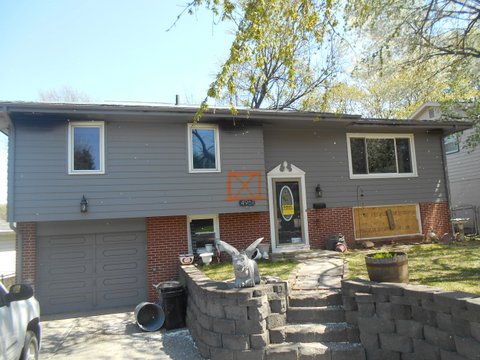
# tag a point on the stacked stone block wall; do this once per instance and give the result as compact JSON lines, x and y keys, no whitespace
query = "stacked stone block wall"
{"x":228,"y":323}
{"x":399,"y":321}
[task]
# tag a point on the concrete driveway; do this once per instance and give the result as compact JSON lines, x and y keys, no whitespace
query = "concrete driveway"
{"x":111,"y":336}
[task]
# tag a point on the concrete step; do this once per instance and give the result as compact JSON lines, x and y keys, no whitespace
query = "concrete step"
{"x":315,"y":298}
{"x":309,"y":333}
{"x":317,"y":314}
{"x":316,"y":351}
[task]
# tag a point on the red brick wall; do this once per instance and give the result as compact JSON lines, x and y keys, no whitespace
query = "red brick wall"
{"x":166,"y":239}
{"x":28,"y":232}
{"x":322,"y":222}
{"x":436,"y":216}
{"x":241,"y":229}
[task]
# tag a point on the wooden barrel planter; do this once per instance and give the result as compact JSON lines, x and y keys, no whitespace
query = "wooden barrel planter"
{"x":387,"y":267}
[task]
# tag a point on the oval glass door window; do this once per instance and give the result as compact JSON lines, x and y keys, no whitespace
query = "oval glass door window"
{"x":287,"y":204}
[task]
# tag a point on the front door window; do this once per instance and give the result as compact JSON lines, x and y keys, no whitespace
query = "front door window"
{"x":288,"y":213}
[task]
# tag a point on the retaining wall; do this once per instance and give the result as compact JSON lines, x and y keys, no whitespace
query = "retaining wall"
{"x":228,"y":323}
{"x":400,"y":321}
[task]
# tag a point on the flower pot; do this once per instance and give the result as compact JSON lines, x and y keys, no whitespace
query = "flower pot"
{"x":388,"y":269}
{"x":186,"y":259}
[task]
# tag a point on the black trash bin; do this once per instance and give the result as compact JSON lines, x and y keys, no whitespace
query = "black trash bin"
{"x":173,"y":300}
{"x":331,"y":242}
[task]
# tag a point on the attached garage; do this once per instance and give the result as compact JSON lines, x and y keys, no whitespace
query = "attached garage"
{"x":84,"y":266}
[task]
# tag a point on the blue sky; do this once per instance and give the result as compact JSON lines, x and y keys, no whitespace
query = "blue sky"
{"x":109,"y":50}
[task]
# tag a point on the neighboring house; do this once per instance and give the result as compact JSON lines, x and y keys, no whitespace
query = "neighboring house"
{"x":7,"y":250}
{"x":463,"y":170}
{"x":105,"y":197}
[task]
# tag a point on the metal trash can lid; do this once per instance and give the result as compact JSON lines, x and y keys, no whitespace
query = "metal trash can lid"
{"x":168,"y":286}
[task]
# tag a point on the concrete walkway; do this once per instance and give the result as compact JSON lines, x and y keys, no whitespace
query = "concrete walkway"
{"x":320,"y":270}
{"x":111,"y":336}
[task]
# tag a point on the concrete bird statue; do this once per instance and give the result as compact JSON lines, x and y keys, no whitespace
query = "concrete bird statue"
{"x":245,"y":268}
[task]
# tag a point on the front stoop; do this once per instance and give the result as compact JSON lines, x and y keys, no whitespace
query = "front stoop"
{"x":315,"y":330}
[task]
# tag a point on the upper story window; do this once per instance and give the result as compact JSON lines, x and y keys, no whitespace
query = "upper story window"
{"x":203,"y":148}
{"x":381,"y":155}
{"x":451,"y":143}
{"x":86,"y":148}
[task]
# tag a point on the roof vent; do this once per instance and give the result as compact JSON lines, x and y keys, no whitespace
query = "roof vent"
{"x":177,"y":99}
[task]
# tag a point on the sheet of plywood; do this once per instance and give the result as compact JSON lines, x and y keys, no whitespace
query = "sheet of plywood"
{"x":386,"y":221}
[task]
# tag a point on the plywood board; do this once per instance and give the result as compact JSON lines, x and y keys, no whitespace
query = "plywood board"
{"x":373,"y":222}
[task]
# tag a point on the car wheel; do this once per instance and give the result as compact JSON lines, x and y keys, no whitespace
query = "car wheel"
{"x":30,"y":348}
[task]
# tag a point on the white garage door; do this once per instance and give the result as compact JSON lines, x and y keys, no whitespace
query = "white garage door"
{"x":78,"y":272}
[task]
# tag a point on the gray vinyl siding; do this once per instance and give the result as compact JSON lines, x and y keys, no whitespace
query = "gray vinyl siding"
{"x":464,"y":175}
{"x":322,"y":154}
{"x":146,"y":172}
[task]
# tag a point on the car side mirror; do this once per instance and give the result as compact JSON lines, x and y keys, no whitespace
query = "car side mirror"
{"x":19,"y":292}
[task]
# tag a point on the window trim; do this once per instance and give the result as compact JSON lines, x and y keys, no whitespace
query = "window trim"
{"x":71,"y":143}
{"x":216,"y":227}
{"x":414,"y":172}
{"x":214,"y":127}
{"x":456,"y":141}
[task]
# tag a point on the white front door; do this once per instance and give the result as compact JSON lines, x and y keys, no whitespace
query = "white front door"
{"x":288,"y":211}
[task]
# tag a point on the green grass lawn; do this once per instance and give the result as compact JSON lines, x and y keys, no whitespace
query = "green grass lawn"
{"x":224,"y":271}
{"x":450,"y":267}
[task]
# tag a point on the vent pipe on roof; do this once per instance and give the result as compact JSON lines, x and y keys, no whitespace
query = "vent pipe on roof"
{"x":177,"y":99}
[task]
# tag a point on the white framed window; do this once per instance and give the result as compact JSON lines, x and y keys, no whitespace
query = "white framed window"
{"x":202,"y":231}
{"x":86,"y":147}
{"x":381,"y":155}
{"x":451,"y":144}
{"x":203,"y":148}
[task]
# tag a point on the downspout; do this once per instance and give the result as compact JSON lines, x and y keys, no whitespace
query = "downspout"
{"x":10,"y":192}
{"x":447,"y":179}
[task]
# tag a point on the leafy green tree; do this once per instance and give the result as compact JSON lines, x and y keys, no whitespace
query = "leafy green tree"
{"x":406,"y":52}
{"x":269,"y":54}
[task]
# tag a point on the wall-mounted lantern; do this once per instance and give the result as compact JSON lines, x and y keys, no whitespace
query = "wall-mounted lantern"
{"x":318,"y":191}
{"x":83,"y":205}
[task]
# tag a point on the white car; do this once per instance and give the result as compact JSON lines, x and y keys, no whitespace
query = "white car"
{"x":19,"y":323}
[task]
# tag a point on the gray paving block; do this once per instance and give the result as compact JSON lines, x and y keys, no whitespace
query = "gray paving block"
{"x":468,"y":347}
{"x":315,"y":314}
{"x":315,"y":298}
{"x":375,"y":325}
{"x":308,"y":333}
{"x":313,"y":352}
{"x":282,"y":352}
{"x":410,"y":328}
{"x":395,"y":342}
{"x":260,"y":341}
{"x":426,"y":351}
{"x":448,"y":355}
{"x":382,"y":355}
{"x":475,"y":330}
{"x":221,"y":354}
{"x":346,"y":351}
{"x":236,"y":342}
{"x":249,"y":355}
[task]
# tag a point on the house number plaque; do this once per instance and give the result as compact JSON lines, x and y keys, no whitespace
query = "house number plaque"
{"x":246,"y":203}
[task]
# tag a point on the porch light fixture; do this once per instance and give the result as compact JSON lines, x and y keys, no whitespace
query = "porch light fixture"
{"x":83,"y":205}
{"x":318,"y":191}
